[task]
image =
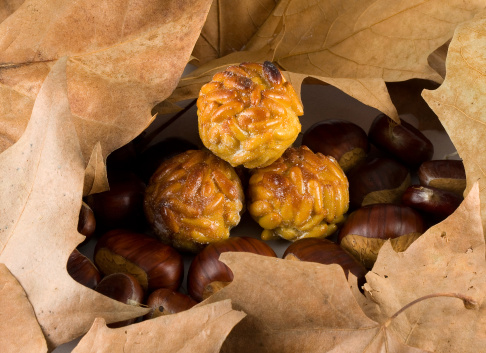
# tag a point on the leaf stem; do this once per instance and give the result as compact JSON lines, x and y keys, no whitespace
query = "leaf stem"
{"x":469,"y":302}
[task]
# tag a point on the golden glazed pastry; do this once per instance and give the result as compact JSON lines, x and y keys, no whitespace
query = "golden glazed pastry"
{"x":248,"y":114}
{"x":193,"y":199}
{"x":301,"y":195}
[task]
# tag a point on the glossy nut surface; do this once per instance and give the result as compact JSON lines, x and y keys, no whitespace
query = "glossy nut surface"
{"x":433,"y":201}
{"x":165,"y":301}
{"x":367,"y":228}
{"x":124,"y":288}
{"x":403,"y":141}
{"x":325,"y":252}
{"x":122,"y":205}
{"x":206,"y":267}
{"x":82,"y":270}
{"x":448,"y":175}
{"x":87,"y":221}
{"x":248,"y":114}
{"x":301,"y":195}
{"x":379,"y":180}
{"x":154,"y":264}
{"x":194,"y":199}
{"x":341,"y":139}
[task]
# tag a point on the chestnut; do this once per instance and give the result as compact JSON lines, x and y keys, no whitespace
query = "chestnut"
{"x":165,"y":301}
{"x":87,"y":221}
{"x":122,"y":205}
{"x":447,"y":174}
{"x":207,"y":274}
{"x":403,"y":141}
{"x":82,"y":270}
{"x":366,"y":229}
{"x":379,"y":180}
{"x":325,"y":252}
{"x":151,"y":158}
{"x":154,"y":264}
{"x":432,"y":201}
{"x":124,"y":288}
{"x":341,"y":139}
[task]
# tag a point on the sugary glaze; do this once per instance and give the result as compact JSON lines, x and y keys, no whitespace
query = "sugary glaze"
{"x":248,"y":114}
{"x":301,"y":195}
{"x":194,"y":199}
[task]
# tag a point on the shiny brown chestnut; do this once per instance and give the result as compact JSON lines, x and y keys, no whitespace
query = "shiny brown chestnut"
{"x":403,"y":140}
{"x":165,"y":301}
{"x":379,"y":180}
{"x":367,"y":228}
{"x":87,"y":221}
{"x":341,"y":139}
{"x":82,"y":270}
{"x":435,"y":202}
{"x":124,"y":288}
{"x":325,"y":252}
{"x":154,"y":264}
{"x":122,"y":205}
{"x":446,"y":174}
{"x":207,"y":274}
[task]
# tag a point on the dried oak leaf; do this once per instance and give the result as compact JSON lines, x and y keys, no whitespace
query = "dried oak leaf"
{"x":7,"y":7}
{"x":447,"y":259}
{"x":355,"y":46}
{"x":460,"y":101}
{"x":298,"y":307}
{"x":16,"y":312}
{"x":41,"y":183}
{"x":124,"y":57}
{"x":201,"y":330}
{"x":229,"y":26}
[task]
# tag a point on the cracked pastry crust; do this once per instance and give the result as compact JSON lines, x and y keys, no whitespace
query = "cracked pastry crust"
{"x":193,"y":199}
{"x":248,"y":114}
{"x":301,"y":195}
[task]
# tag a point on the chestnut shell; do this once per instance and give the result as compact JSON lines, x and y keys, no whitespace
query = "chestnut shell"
{"x":338,"y":138}
{"x":403,"y":140}
{"x":162,"y":264}
{"x":206,"y":267}
{"x":82,"y":270}
{"x":383,"y":221}
{"x":325,"y":252}
{"x":384,"y":175}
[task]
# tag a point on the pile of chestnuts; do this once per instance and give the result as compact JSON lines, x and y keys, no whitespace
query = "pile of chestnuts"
{"x":396,"y":191}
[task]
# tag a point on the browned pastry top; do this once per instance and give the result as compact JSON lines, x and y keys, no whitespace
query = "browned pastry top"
{"x":248,"y":114}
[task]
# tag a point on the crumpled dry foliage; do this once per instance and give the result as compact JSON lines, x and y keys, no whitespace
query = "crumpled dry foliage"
{"x":459,"y":101}
{"x":448,"y":258}
{"x":355,"y":46}
{"x":133,"y":61}
{"x":124,"y":57}
{"x":310,"y":308}
{"x":16,"y":312}
{"x":201,"y":330}
{"x":41,"y":183}
{"x":229,"y":26}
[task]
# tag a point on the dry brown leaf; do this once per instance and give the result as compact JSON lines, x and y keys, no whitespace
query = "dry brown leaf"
{"x":407,"y":98}
{"x":448,"y":258}
{"x":8,"y":7}
{"x":13,"y":340}
{"x":229,"y":26}
{"x":356,"y":46}
{"x":460,"y":101}
{"x":201,"y":330}
{"x":124,"y":57}
{"x":41,"y":184}
{"x":298,"y":307}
